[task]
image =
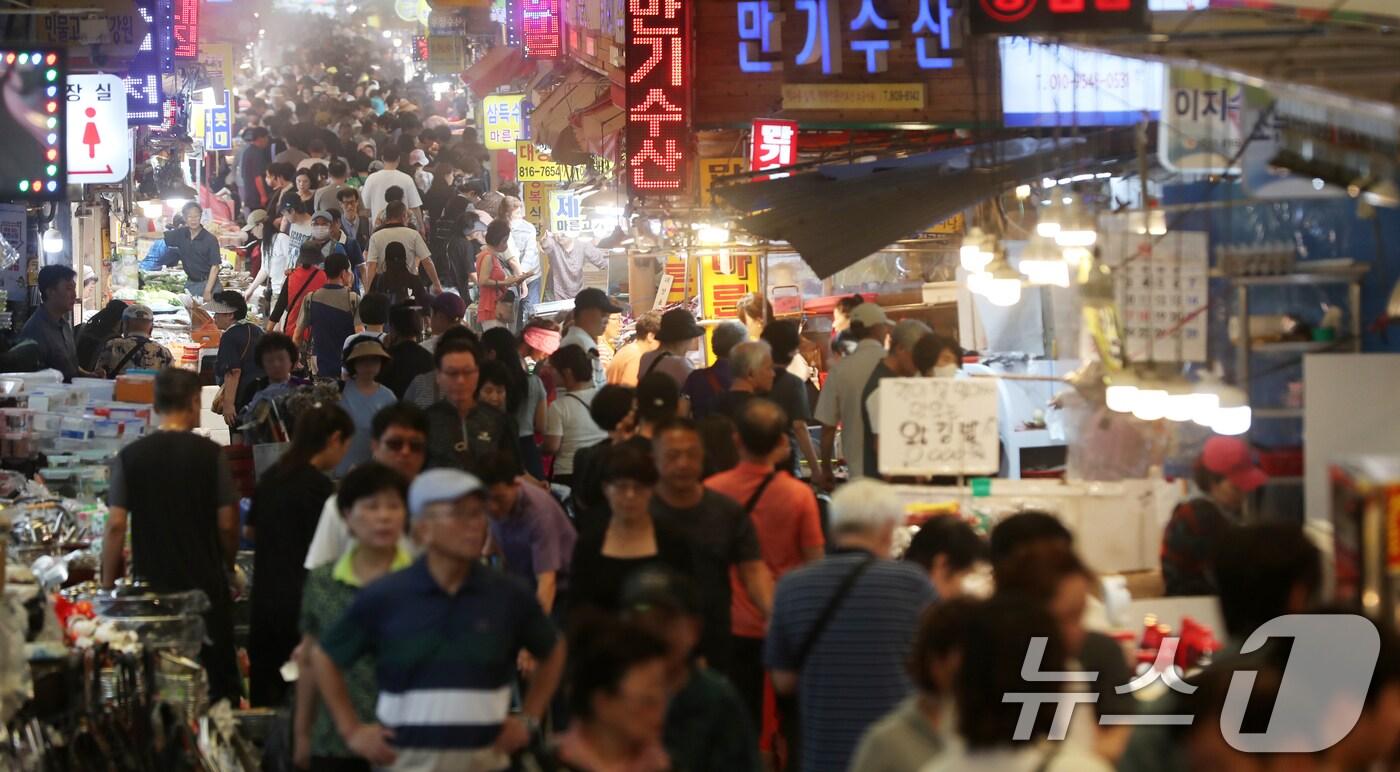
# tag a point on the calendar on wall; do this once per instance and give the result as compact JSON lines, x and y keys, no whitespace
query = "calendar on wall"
{"x":1163,"y":291}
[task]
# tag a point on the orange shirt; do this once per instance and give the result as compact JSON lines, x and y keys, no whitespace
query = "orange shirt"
{"x":787,"y":521}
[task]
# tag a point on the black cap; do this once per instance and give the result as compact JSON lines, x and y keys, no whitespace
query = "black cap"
{"x":660,"y":588}
{"x":678,"y":324}
{"x":593,"y":297}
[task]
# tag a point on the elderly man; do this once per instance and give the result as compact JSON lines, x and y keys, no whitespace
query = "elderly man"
{"x":848,"y":672}
{"x":49,"y":327}
{"x":134,"y":350}
{"x":751,"y":362}
{"x":842,"y":400}
{"x":444,"y":686}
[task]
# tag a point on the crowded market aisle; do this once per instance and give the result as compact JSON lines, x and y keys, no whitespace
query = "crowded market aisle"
{"x":421,"y":421}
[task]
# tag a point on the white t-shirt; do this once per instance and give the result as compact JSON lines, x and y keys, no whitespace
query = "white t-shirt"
{"x":569,"y":420}
{"x":372,"y":192}
{"x":333,"y":537}
{"x":415,"y":247}
{"x":577,"y":336}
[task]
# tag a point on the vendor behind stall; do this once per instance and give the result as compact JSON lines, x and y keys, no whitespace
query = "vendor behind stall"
{"x":199,"y":253}
{"x":1225,"y":474}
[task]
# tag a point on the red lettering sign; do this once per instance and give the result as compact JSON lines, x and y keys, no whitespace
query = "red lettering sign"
{"x":658,"y":95}
{"x":541,"y":26}
{"x":1021,"y":17}
{"x":774,"y":145}
{"x":186,"y":29}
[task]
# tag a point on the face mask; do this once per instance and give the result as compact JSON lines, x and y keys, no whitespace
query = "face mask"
{"x":320,"y":232}
{"x":945,"y":371}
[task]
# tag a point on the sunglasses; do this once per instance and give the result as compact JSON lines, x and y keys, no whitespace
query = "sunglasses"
{"x":398,"y":445}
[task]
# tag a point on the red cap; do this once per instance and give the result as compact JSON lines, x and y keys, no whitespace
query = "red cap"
{"x":1233,"y":458}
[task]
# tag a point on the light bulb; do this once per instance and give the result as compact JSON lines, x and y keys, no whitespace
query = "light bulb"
{"x":1121,"y":398}
{"x":1076,"y":255}
{"x":1180,"y":406}
{"x":1023,"y":192}
{"x":1053,"y":272}
{"x":1003,"y":292}
{"x":1151,"y":404}
{"x":975,"y":253}
{"x":1076,"y":238}
{"x":977,"y":282}
{"x":1047,"y":229}
{"x":52,"y":241}
{"x":176,"y":203}
{"x":152,"y":209}
{"x":1231,"y":420}
{"x":712,"y":235}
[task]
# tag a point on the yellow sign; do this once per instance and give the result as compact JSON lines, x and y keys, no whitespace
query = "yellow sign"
{"x":505,"y":121}
{"x":725,"y":278}
{"x":534,"y":196}
{"x":533,"y":166}
{"x":953,"y":226}
{"x":682,"y":279}
{"x":710,"y":168}
{"x":853,"y":96}
{"x":217,"y":60}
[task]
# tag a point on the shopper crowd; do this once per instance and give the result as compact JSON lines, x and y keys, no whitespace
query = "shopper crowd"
{"x":496,"y":544}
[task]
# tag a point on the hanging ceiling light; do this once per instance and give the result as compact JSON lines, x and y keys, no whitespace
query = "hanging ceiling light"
{"x":1078,"y":227}
{"x":52,"y":241}
{"x":976,"y":252}
{"x":1049,"y":225}
{"x":999,"y":284}
{"x":1042,"y":263}
{"x":1121,"y":395}
{"x":1149,"y":223}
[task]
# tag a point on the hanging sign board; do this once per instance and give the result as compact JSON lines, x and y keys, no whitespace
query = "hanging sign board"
{"x":710,"y":168}
{"x":774,"y":145}
{"x":725,"y":278}
{"x":505,"y":121}
{"x":938,"y":426}
{"x":217,"y":61}
{"x":533,"y":166}
{"x":217,"y":129}
{"x":1032,"y":17}
{"x":658,"y":71}
{"x":99,"y":146}
{"x":533,"y":196}
{"x":566,"y":212}
{"x":446,"y":54}
{"x":1163,"y":290}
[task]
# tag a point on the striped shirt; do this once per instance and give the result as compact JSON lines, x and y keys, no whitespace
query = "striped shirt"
{"x":854,"y":674}
{"x":444,"y":663}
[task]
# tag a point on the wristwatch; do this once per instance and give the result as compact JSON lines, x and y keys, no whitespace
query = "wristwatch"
{"x":532,"y":724}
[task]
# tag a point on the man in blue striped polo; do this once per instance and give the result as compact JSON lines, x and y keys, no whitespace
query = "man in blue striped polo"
{"x":445,"y":634}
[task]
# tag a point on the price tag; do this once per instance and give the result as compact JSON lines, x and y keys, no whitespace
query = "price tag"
{"x":938,"y":426}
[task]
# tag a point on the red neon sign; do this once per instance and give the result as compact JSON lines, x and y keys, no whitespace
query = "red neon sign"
{"x":1036,"y":16}
{"x":541,"y":26}
{"x":659,"y":155}
{"x":774,"y":145}
{"x":186,"y":29}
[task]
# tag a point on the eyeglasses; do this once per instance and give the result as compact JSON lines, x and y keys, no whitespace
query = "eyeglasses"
{"x":398,"y":444}
{"x":464,"y":373}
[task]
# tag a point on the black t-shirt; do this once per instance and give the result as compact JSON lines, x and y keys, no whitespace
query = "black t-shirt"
{"x":173,"y":485}
{"x":590,"y":506}
{"x":722,"y":536}
{"x":790,"y":392}
{"x":407,"y":360}
{"x":286,"y":507}
{"x":596,"y":580}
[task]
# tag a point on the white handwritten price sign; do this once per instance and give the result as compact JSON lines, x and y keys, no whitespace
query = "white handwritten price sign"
{"x":938,"y":426}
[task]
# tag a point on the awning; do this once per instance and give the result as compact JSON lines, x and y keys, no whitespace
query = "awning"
{"x":496,"y":68}
{"x":839,"y":214}
{"x":552,"y":117}
{"x":599,"y":121}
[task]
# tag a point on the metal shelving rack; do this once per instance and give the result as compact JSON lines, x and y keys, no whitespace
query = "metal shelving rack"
{"x":1350,"y":276}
